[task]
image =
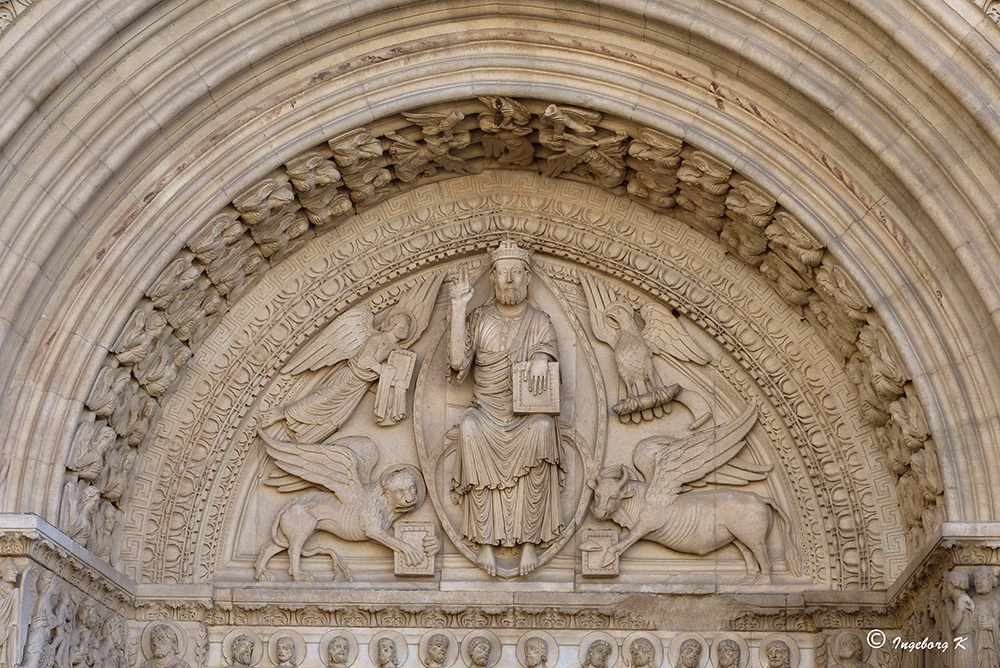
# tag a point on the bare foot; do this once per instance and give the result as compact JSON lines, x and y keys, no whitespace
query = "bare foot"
{"x":529,"y":559}
{"x":487,"y":560}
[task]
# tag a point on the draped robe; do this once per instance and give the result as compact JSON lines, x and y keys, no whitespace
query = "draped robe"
{"x":508,"y":476}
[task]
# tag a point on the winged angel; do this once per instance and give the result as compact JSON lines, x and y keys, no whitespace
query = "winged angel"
{"x":655,"y":501}
{"x":413,"y":159}
{"x":357,"y":350}
{"x":347,"y":503}
{"x":614,"y":322}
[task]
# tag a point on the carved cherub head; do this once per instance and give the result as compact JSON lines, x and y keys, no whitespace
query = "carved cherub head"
{"x":728,"y":654}
{"x":536,"y":652}
{"x":642,"y":652}
{"x":690,"y":654}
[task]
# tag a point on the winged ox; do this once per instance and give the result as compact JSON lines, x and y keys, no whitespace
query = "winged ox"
{"x":656,"y":500}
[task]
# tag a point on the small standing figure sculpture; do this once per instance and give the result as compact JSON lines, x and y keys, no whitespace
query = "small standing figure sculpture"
{"x":958,"y":609}
{"x":727,"y":654}
{"x":10,"y":610}
{"x":986,"y":617}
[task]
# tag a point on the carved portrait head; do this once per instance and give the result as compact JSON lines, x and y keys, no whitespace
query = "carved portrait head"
{"x":480,"y":649}
{"x":954,"y":583}
{"x":642,"y":652}
{"x":284,"y":651}
{"x":437,"y":649}
{"x":984,"y":579}
{"x":403,"y":488}
{"x":597,"y":654}
{"x":242,"y":650}
{"x":778,"y":654}
{"x":690,"y":654}
{"x":163,"y":642}
{"x":849,"y":647}
{"x":387,"y":653}
{"x":510,"y":273}
{"x":536,"y":652}
{"x":339,"y":651}
{"x":727,"y":654}
{"x":8,"y":570}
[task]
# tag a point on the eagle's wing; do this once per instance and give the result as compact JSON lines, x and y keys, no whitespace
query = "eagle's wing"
{"x":599,"y":297}
{"x":669,"y":464}
{"x":344,"y":467}
{"x":665,"y":336}
{"x":337,"y":342}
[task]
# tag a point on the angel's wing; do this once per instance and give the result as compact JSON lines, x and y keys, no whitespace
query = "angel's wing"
{"x":337,"y":342}
{"x":665,"y":336}
{"x":669,"y":464}
{"x":433,"y":123}
{"x":599,"y":297}
{"x":509,"y":108}
{"x":417,"y":303}
{"x":344,"y":467}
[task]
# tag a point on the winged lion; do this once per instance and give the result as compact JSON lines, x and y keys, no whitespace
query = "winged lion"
{"x":348,"y":505}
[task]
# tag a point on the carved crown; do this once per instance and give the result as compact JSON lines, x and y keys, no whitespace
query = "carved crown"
{"x":509,"y":250}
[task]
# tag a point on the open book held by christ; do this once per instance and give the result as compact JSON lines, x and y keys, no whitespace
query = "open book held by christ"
{"x":525,"y":402}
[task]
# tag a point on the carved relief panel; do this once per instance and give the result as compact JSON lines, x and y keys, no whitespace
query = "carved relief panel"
{"x":331,"y":396}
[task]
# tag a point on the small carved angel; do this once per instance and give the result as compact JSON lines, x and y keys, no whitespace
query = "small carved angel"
{"x":413,"y":159}
{"x":643,"y":396}
{"x":351,"y":506}
{"x":579,"y":150}
{"x":505,"y":128}
{"x":356,"y":350}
